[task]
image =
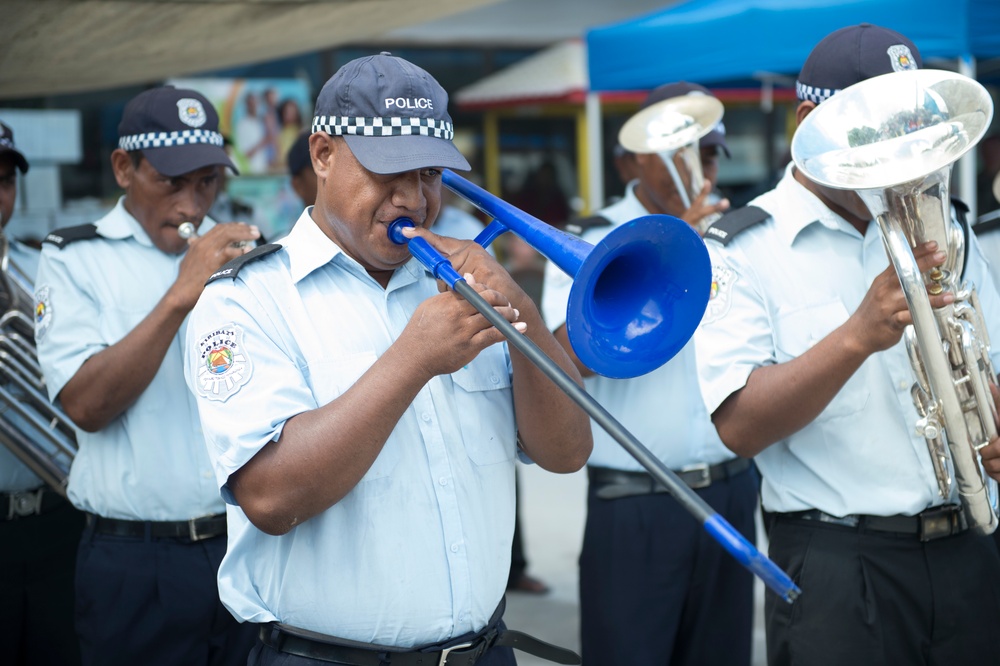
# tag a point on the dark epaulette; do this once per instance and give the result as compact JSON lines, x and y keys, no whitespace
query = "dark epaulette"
{"x":578,"y":227}
{"x":734,"y":222}
{"x":986,"y":227}
{"x":63,"y":237}
{"x":233,"y":267}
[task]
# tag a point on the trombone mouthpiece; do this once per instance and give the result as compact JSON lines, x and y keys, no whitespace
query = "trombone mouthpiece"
{"x":186,"y":230}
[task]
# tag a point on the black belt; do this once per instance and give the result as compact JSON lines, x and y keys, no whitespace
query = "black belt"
{"x":303,"y":643}
{"x":26,"y":503}
{"x":934,"y":523}
{"x":195,"y":529}
{"x":616,"y":483}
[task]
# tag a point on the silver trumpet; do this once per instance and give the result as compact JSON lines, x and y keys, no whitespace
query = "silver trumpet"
{"x":188,"y":230}
{"x":672,"y":129}
{"x":893,"y":139}
{"x":38,"y":433}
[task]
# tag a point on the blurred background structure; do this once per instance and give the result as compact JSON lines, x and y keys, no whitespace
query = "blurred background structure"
{"x":519,"y":73}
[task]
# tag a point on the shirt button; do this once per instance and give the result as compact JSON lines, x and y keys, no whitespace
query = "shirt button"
{"x":443,"y":481}
{"x":207,"y":475}
{"x":903,"y":385}
{"x":454,"y":547}
{"x":494,"y":379}
{"x":426,"y":417}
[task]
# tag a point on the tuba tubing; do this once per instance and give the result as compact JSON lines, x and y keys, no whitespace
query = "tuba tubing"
{"x":717,"y":526}
{"x":893,"y":139}
{"x":37,"y":432}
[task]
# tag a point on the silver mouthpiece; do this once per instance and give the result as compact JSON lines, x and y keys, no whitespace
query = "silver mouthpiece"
{"x":186,"y":230}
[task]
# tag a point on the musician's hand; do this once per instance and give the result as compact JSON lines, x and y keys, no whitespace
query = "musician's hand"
{"x":446,"y":332}
{"x":206,"y":254}
{"x":470,"y":257}
{"x":879,"y":321}
{"x":700,"y":208}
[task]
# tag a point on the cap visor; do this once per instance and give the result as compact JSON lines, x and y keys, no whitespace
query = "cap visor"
{"x":396,"y":154}
{"x":713,"y":138}
{"x":178,"y":160}
{"x":19,"y":160}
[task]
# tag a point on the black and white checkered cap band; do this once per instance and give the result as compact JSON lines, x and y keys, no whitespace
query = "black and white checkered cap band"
{"x":168,"y":139}
{"x":811,"y":94}
{"x":340,"y":125}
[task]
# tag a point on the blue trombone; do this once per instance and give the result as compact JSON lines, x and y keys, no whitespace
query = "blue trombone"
{"x":637,"y":297}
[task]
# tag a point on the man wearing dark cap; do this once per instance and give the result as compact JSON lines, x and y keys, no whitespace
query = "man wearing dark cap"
{"x":654,"y":587}
{"x":802,"y":366}
{"x":361,"y":424}
{"x":39,"y":529}
{"x":669,"y":187}
{"x":300,"y":170}
{"x":111,"y":304}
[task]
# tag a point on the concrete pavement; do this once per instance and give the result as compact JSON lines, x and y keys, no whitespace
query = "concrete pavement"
{"x":553,"y":508}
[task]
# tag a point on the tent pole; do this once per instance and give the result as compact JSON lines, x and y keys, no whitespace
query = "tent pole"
{"x":967,"y":163}
{"x":595,"y":156}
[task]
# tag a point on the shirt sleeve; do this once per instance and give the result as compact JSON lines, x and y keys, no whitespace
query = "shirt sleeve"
{"x":241,"y":367}
{"x":735,"y":336}
{"x":67,"y":318}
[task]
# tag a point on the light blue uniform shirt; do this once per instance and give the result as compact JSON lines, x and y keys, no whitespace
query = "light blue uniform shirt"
{"x":780,"y":287}
{"x":419,"y":550}
{"x":149,"y":463}
{"x":662,"y":408}
{"x":15,"y":475}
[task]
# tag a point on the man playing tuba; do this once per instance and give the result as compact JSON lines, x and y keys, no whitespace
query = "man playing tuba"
{"x":802,"y":365}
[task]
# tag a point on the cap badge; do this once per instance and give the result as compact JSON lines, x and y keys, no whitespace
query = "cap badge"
{"x":191,"y":112}
{"x":901,"y":58}
{"x":223,"y":365}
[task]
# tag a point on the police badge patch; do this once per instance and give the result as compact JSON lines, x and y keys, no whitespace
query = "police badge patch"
{"x":223,"y":366}
{"x":720,"y":294}
{"x":43,"y":311}
{"x":191,"y":112}
{"x":901,"y":58}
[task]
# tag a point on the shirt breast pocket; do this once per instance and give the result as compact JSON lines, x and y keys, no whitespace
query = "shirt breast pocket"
{"x":796,"y":332}
{"x":330,"y":379}
{"x":485,"y":408}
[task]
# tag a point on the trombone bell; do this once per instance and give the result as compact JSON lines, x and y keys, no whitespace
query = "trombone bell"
{"x":637,"y":296}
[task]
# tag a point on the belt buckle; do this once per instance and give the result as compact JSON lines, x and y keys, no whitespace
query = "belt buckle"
{"x":938,"y":523}
{"x":25,"y":503}
{"x":703,"y":478}
{"x":193,"y":531}
{"x":445,"y":652}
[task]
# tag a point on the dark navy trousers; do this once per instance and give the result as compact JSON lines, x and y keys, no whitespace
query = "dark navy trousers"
{"x":656,"y":589}
{"x":155,"y":601}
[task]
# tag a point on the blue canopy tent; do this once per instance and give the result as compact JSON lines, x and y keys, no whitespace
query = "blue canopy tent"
{"x":711,"y":41}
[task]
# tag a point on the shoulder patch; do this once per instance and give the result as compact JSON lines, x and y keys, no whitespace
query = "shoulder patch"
{"x":577,"y":227}
{"x":734,"y":222}
{"x":233,"y":267}
{"x":63,"y":237}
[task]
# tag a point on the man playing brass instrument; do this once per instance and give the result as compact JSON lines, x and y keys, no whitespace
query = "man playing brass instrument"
{"x":802,"y":365}
{"x":112,"y":300}
{"x":362,"y":425}
{"x":654,"y":587}
{"x":39,"y":529}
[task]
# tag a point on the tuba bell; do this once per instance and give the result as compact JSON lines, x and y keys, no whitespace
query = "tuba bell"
{"x":893,"y":139}
{"x":672,"y":128}
{"x":39,"y":434}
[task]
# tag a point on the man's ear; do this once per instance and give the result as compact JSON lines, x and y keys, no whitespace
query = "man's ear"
{"x":322,"y":148}
{"x":124,"y":169}
{"x":802,"y":110}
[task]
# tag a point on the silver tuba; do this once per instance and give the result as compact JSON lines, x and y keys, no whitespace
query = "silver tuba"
{"x":672,"y":129}
{"x":39,"y":434}
{"x":893,"y":139}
